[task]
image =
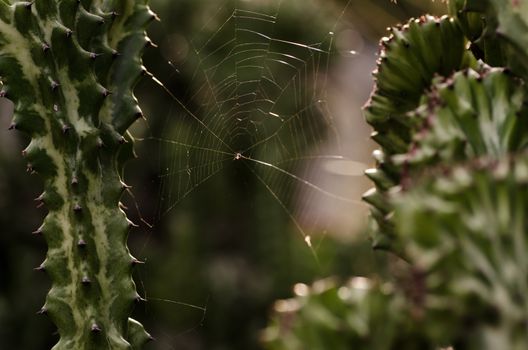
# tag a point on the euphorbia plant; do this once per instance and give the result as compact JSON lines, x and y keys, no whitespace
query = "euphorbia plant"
{"x":70,"y":67}
{"x":449,"y":114}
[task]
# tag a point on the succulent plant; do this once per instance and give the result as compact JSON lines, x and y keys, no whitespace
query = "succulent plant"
{"x":70,"y":68}
{"x":359,"y":314}
{"x":407,"y":65}
{"x":450,"y":198}
{"x":465,"y":229}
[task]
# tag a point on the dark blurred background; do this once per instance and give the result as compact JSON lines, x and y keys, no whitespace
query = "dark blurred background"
{"x":224,"y":241}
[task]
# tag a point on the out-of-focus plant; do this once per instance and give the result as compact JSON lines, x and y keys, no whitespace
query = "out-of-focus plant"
{"x":449,"y":110}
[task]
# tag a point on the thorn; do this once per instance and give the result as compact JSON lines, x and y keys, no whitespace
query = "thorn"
{"x":29,"y":168}
{"x":139,"y":299}
{"x":54,"y":85}
{"x":114,"y":14}
{"x":40,"y":198}
{"x":122,"y":140}
{"x":28,"y":5}
{"x":106,"y":92}
{"x":42,"y":311}
{"x":86,"y":281}
{"x":40,"y":268}
{"x":81,"y":243}
{"x":122,"y":206}
{"x":125,"y":187}
{"x":150,"y":338}
{"x":74,"y":181}
{"x":13,"y":126}
{"x":37,"y":232}
{"x":135,"y":262}
{"x":93,"y":55}
{"x":154,"y":17}
{"x":138,"y":115}
{"x":45,"y":47}
{"x":115,"y":54}
{"x":66,"y":128}
{"x":131,"y":224}
{"x":149,"y":43}
{"x":77,"y":208}
{"x":95,"y":328}
{"x":99,"y":143}
{"x":69,"y":33}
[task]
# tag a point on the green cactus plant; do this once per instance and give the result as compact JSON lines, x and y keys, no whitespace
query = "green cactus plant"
{"x":406,"y":67}
{"x":449,"y":113}
{"x":70,"y":68}
{"x":361,"y":313}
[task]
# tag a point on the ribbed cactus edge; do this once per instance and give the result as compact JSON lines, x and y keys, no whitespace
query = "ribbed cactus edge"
{"x":70,"y":67}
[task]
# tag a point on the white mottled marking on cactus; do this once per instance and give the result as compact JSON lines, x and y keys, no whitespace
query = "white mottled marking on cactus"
{"x":117,"y":31}
{"x":71,"y":95}
{"x":62,"y":215}
{"x":17,"y":46}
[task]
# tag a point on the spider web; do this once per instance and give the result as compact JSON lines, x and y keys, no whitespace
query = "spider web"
{"x":256,"y":100}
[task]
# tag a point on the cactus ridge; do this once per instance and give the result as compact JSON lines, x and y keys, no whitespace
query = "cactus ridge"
{"x":409,"y":59}
{"x":497,"y":30}
{"x":70,"y":68}
{"x":472,"y":114}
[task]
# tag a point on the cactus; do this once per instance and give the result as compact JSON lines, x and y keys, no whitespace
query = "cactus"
{"x":70,"y":68}
{"x":461,"y":186}
{"x":466,"y":230}
{"x":451,"y":179}
{"x":406,"y":67}
{"x":361,"y":313}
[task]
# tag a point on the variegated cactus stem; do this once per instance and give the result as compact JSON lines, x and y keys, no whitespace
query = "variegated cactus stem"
{"x":70,"y":67}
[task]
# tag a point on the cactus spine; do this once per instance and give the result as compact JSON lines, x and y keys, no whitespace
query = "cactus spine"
{"x":70,"y":67}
